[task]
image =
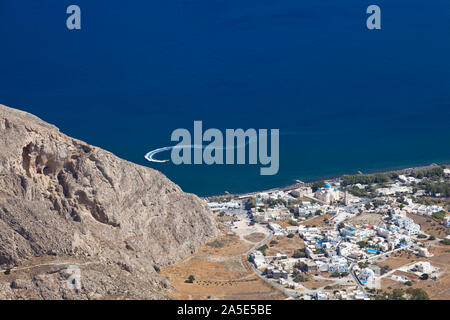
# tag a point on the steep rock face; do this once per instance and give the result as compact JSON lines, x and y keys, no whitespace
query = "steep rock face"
{"x":66,"y":201}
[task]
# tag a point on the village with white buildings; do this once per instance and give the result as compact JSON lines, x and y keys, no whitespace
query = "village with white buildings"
{"x":354,"y":231}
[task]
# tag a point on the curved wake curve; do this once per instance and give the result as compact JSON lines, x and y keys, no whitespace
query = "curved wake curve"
{"x":150,"y":155}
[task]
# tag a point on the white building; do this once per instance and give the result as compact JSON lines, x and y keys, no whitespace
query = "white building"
{"x":408,"y":225}
{"x":424,"y":210}
{"x":383,"y":246}
{"x":292,"y":229}
{"x":338,"y":264}
{"x":447,"y":221}
{"x":331,"y":236}
{"x":406,"y":179}
{"x":382,"y":231}
{"x":329,"y":249}
{"x":402,"y":279}
{"x":263,"y":196}
{"x":366,"y":275}
{"x":346,"y":248}
{"x":395,"y":188}
{"x":277,"y":229}
{"x":215,"y":206}
{"x":346,"y":198}
{"x":328,"y":194}
{"x":258,"y":259}
{"x":353,"y":233}
{"x":424,"y":267}
{"x":358,"y":295}
{"x":423,"y":252}
{"x":321,"y":295}
{"x":447,"y":172}
{"x":322,"y":266}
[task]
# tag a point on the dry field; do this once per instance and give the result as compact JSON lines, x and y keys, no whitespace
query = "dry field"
{"x":348,"y":287}
{"x":221,"y":272}
{"x":284,"y":223}
{"x":255,"y":237}
{"x":441,"y":259}
{"x":398,"y":259}
{"x":285,"y":245}
{"x":367,"y":218}
{"x":318,"y":221}
{"x":316,"y":284}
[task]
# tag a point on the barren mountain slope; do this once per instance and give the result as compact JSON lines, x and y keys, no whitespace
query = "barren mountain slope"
{"x":65,"y":202}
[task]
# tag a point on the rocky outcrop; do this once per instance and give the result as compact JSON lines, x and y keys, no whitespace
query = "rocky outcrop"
{"x":64,"y":202}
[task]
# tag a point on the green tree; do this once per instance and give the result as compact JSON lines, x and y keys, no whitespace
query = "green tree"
{"x":397,"y":294}
{"x":299,"y":253}
{"x":384,"y":269}
{"x":361,"y":244}
{"x":335,"y":275}
{"x":251,"y":203}
{"x":417,"y":294}
{"x":263,"y":249}
{"x":298,"y":277}
{"x":424,"y":276}
{"x":439,"y":215}
{"x":318,"y":184}
{"x":191,"y":278}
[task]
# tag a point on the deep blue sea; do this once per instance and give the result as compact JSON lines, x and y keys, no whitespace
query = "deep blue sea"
{"x":345,"y":98}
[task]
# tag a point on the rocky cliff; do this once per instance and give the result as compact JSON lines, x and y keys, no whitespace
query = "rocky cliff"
{"x":65,"y":203}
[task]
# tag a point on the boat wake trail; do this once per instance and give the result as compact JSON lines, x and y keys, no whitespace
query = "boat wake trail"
{"x":150,"y":156}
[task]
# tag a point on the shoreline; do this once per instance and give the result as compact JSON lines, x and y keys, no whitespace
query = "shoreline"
{"x":290,"y":187}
